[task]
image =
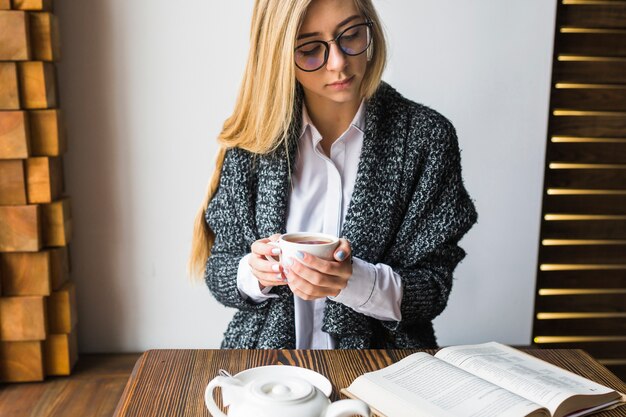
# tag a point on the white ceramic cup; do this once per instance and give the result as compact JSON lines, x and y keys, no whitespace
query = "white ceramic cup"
{"x":291,"y":243}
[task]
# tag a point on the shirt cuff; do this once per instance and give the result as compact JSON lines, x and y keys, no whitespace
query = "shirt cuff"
{"x":248,"y":285}
{"x":360,"y":286}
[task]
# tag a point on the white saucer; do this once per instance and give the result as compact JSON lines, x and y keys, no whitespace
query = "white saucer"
{"x":278,"y":372}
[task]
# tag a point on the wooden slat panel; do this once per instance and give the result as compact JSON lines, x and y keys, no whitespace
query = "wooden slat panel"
{"x":601,"y":229}
{"x":32,"y":5}
{"x":599,"y":350}
{"x":588,"y":126}
{"x":21,"y":361}
{"x":62,"y":309}
{"x":587,"y":153}
{"x":44,"y":36}
{"x":576,"y":327}
{"x":14,"y":135}
{"x":56,"y":219}
{"x":9,"y":86}
{"x":593,"y":15}
{"x":47,"y":134}
{"x":45,"y":179}
{"x":23,"y":319}
{"x":5,"y":4}
{"x":37,"y":85}
{"x":61,"y":353}
{"x":597,"y":72}
{"x":20,"y":229}
{"x":605,"y":254}
{"x":595,"y":44}
{"x":26,"y":273}
{"x":597,"y":99}
{"x":585,"y":204}
{"x":582,"y":279}
{"x":592,"y":303}
{"x":14,"y":36}
{"x":12,"y":182}
{"x":603,"y":179}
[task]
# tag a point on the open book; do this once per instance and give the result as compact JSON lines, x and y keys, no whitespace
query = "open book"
{"x":483,"y":380}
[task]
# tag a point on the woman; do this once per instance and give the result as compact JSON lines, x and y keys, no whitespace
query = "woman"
{"x":318,"y":143}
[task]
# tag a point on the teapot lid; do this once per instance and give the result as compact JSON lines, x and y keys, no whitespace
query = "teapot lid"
{"x":284,"y":390}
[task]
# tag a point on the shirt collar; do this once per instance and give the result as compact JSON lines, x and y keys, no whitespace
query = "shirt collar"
{"x":358,"y":121}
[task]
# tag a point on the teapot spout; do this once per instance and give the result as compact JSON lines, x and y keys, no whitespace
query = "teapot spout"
{"x":347,"y":408}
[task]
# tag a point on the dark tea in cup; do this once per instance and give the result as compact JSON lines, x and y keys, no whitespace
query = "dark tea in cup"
{"x":308,"y":240}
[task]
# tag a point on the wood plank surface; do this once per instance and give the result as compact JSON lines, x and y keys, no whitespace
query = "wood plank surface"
{"x":93,"y":390}
{"x":32,"y":5}
{"x":44,"y":37}
{"x":591,"y":303}
{"x":585,"y":204}
{"x":45,"y":179}
{"x":587,"y":327}
{"x":38,"y":88}
{"x":9,"y":86}
{"x":12,"y":182}
{"x":14,"y":36}
{"x":62,"y":317}
{"x":598,"y":72}
{"x":588,"y":126}
{"x":23,"y":319}
{"x":24,"y":273}
{"x":593,"y":15}
{"x":582,"y":279}
{"x":586,"y":254}
{"x":20,"y":229}
{"x":47,"y":134}
{"x":21,"y":362}
{"x":172,"y":382}
{"x":584,"y":229}
{"x":5,"y":4}
{"x":590,"y":99}
{"x":610,"y":43}
{"x":603,"y":179}
{"x":56,"y":219}
{"x":14,"y":135}
{"x":60,"y":353}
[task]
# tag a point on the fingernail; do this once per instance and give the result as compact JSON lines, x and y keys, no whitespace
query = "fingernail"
{"x":275,"y":267}
{"x":276,"y":251}
{"x":279,"y":277}
{"x":341,"y":255}
{"x":300,"y":255}
{"x":289,"y":261}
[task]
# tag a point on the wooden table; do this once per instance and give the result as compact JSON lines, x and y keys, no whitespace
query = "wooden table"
{"x":171,"y":383}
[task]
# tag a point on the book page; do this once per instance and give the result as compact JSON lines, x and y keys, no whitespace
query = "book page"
{"x":424,"y":384}
{"x":523,"y":374}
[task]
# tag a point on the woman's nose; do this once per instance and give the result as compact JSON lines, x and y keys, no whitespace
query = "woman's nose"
{"x":337,"y":60}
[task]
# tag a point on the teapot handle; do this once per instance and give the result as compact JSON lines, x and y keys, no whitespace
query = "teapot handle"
{"x":347,"y":408}
{"x":218,"y":381}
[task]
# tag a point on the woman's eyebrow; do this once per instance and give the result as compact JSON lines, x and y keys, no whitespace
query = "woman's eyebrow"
{"x":343,"y":22}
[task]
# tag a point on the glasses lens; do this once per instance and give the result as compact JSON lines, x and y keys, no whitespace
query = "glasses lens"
{"x":311,"y":56}
{"x":355,"y":40}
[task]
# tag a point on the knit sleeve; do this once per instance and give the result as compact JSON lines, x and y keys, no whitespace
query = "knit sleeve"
{"x":426,"y":252}
{"x":231,"y":244}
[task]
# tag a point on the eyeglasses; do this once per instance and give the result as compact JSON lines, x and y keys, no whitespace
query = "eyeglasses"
{"x":353,"y":41}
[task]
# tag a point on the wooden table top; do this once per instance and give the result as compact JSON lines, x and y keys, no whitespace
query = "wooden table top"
{"x":171,"y":383}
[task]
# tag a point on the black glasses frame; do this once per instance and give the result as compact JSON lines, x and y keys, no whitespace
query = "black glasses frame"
{"x":335,"y":40}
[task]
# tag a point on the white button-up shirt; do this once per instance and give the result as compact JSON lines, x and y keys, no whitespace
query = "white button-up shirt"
{"x":320,"y":194}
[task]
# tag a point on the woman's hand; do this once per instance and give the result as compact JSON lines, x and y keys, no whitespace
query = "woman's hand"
{"x":268,"y":273}
{"x":310,"y":277}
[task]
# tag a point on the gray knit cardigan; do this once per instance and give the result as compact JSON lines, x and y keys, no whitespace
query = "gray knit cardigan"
{"x":409,"y":209}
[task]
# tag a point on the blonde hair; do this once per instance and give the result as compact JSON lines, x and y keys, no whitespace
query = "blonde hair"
{"x":265,"y":104}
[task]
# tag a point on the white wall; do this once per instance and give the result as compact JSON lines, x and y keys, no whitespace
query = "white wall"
{"x":145,"y":86}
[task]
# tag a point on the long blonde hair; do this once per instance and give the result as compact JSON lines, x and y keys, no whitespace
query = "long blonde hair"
{"x":265,"y":104}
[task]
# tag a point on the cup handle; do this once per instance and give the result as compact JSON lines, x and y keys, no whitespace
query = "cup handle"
{"x":273,"y":258}
{"x":218,"y":381}
{"x":347,"y":408}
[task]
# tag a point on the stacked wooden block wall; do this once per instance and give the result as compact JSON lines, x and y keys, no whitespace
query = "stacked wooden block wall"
{"x":37,"y":299}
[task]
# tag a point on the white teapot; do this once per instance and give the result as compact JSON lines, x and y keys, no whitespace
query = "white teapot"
{"x":274,"y":396}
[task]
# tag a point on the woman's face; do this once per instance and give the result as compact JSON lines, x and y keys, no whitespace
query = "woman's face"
{"x":339,"y":80}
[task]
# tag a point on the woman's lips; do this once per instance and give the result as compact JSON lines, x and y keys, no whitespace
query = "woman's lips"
{"x":343,"y":84}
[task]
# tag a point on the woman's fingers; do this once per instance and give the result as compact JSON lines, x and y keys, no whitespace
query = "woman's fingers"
{"x":343,"y":251}
{"x":305,"y":290}
{"x":263,"y":246}
{"x":265,"y":270}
